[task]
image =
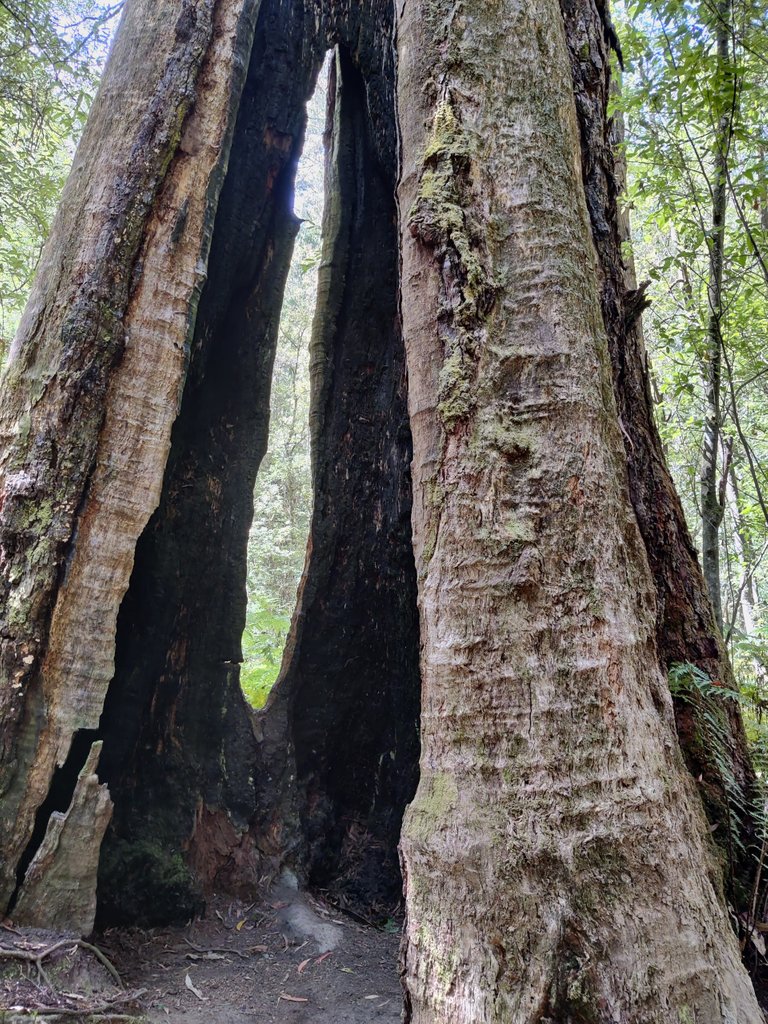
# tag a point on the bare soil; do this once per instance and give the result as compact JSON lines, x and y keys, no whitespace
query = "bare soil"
{"x":290,"y":958}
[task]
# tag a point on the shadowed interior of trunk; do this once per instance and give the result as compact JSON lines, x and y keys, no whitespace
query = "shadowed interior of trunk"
{"x":208,"y":794}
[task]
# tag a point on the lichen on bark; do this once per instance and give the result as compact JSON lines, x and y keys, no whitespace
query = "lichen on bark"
{"x":441,"y":219}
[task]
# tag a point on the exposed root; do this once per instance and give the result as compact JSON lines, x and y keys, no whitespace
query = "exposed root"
{"x":52,"y":993}
{"x":36,"y":957}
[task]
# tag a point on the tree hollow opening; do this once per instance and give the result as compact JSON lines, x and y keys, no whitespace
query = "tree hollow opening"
{"x":210,"y":795}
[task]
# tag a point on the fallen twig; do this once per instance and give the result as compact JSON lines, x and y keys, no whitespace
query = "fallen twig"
{"x":216,"y":949}
{"x":59,"y":1011}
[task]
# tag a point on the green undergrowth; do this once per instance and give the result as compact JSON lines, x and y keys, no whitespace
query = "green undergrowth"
{"x":263,"y":642}
{"x":743,"y":828}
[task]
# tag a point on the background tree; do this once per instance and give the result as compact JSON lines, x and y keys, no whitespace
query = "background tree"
{"x":51,"y":55}
{"x":282,"y":500}
{"x":696,"y":80}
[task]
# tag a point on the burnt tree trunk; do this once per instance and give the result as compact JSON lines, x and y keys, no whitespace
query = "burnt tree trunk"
{"x":348,"y":695}
{"x":125,"y":606}
{"x":91,"y":394}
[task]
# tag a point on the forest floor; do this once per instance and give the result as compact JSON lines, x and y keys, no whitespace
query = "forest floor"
{"x":291,"y":959}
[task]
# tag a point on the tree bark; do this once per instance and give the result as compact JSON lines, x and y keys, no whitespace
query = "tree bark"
{"x":554,"y":819}
{"x":95,"y":378}
{"x":686,"y":630}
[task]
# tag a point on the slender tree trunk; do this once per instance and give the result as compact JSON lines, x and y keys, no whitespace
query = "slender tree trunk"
{"x":553,"y":819}
{"x":712,"y":486}
{"x":747,"y":597}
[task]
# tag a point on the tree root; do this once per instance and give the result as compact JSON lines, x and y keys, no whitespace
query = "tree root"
{"x":37,"y":957}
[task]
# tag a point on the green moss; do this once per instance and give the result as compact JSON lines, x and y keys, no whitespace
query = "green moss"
{"x":456,"y":397}
{"x":441,"y":219}
{"x":447,"y":136}
{"x":435,"y":798}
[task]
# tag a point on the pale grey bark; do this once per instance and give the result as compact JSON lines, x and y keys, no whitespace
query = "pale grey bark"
{"x":556,"y":858}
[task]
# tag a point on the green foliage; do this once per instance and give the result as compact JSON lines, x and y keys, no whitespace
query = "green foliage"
{"x":51,"y":56}
{"x":283,"y":496}
{"x":708,"y":704}
{"x":680,"y":100}
{"x":263,"y":642}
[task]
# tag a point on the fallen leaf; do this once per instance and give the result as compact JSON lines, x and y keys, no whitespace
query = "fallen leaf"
{"x":372,"y":997}
{"x":293,"y":999}
{"x":347,"y":970}
{"x":240,"y":924}
{"x":303,"y":965}
{"x":256,"y":949}
{"x":323,"y":957}
{"x":191,"y":986}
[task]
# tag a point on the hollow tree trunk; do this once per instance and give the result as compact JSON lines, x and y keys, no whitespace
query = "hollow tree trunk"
{"x":135,"y":417}
{"x":556,"y":845}
{"x":516,"y":448}
{"x":90,"y":396}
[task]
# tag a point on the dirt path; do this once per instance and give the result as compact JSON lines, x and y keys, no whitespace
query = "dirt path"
{"x":288,"y":959}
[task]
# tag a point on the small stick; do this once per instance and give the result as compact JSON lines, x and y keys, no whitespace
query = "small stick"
{"x":216,"y":949}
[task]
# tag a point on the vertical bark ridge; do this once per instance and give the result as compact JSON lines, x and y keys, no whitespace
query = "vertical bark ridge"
{"x":686,"y":630}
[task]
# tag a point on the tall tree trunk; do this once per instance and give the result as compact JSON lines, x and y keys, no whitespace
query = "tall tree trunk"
{"x":553,"y":818}
{"x":712,"y":486}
